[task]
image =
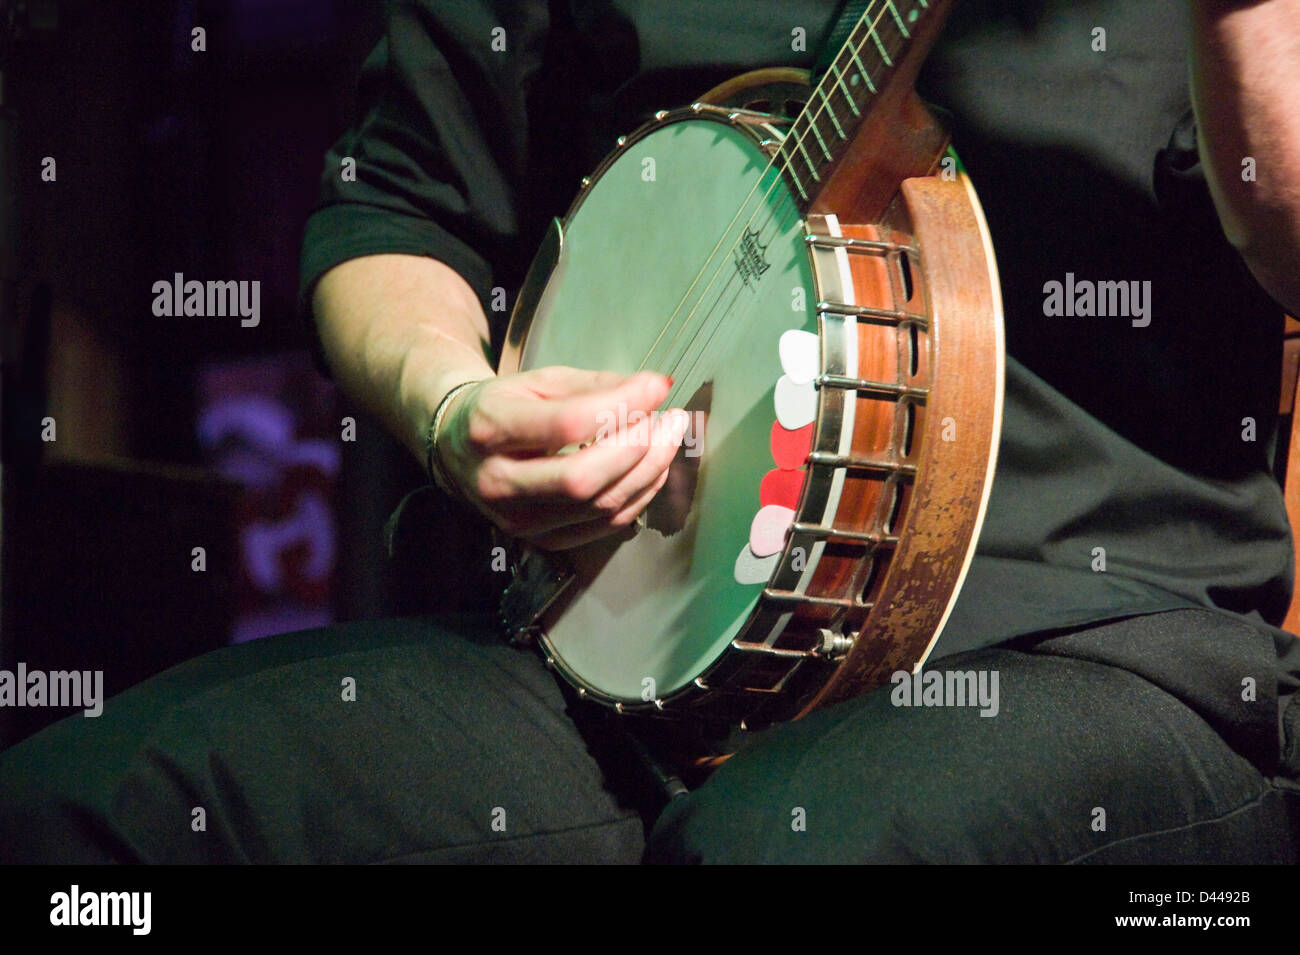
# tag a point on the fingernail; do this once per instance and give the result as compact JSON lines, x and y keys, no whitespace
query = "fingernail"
{"x":681,"y":424}
{"x":670,"y":381}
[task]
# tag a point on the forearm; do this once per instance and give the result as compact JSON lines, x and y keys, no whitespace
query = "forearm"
{"x":399,"y":331}
{"x":1244,"y":58}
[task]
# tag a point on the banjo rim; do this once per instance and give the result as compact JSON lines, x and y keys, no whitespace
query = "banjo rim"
{"x":699,"y":697}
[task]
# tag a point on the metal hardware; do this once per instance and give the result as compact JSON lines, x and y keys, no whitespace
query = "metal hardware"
{"x":532,"y":297}
{"x":774,"y":652}
{"x":885,"y":467}
{"x":835,"y":644}
{"x":537,"y":582}
{"x":821,"y":532}
{"x":873,"y":389}
{"x":794,"y":597}
{"x":523,"y":636}
{"x":796,"y":659}
{"x":876,"y":316}
{"x":865,"y":246}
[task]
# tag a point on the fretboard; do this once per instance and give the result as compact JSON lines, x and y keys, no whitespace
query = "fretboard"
{"x":861,"y":69}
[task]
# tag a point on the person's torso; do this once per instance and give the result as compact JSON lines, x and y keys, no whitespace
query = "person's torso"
{"x":1139,"y":412}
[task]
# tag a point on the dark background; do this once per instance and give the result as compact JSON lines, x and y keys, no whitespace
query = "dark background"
{"x":172,"y":433}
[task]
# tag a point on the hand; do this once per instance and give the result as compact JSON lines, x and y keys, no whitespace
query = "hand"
{"x":500,"y":441}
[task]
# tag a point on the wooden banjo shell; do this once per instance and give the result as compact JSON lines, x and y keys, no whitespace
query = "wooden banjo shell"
{"x":890,"y":510}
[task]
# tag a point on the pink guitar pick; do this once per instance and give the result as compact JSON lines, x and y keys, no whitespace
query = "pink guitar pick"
{"x":767,"y":532}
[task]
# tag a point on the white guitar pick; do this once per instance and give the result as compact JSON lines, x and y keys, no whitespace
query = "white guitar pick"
{"x":796,"y":404}
{"x":800,"y":355}
{"x":767,"y":531}
{"x":754,"y":570}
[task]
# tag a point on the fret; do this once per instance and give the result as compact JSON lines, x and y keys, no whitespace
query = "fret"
{"x":862,"y":69}
{"x":839,"y":93}
{"x":803,"y":193}
{"x":788,"y":153}
{"x":867,"y":87}
{"x":889,"y":24}
{"x":807,"y":158}
{"x":884,"y":54}
{"x":830,"y":111}
{"x":839,"y":80}
{"x":897,"y":19}
{"x":812,"y":124}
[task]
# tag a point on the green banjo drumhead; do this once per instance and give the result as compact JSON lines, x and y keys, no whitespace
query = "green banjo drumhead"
{"x":661,"y":271}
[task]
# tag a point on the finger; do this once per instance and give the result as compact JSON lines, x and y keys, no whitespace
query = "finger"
{"x":576,"y":535}
{"x":509,"y":422}
{"x":530,"y":517}
{"x":665,"y":439}
{"x":602,"y":477}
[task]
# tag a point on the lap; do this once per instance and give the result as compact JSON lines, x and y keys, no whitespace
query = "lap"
{"x":451,"y":746}
{"x":1083,"y":762}
{"x":448,"y":745}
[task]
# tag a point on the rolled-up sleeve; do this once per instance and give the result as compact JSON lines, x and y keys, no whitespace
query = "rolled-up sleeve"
{"x":439,"y":153}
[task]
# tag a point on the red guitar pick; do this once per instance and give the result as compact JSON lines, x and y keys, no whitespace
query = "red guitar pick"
{"x":781,"y":487}
{"x":790,"y":448}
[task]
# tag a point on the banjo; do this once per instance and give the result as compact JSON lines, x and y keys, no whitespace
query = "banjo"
{"x":812,"y":267}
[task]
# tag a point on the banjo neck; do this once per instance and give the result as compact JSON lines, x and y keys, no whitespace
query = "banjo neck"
{"x":866,"y":98}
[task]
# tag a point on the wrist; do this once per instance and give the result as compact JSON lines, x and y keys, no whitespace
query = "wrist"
{"x":435,"y":466}
{"x":422,"y":382}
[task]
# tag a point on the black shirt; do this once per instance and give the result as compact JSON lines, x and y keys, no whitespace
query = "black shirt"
{"x":1133,"y":473}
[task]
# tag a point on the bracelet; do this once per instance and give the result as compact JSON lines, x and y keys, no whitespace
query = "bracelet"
{"x":433,"y":463}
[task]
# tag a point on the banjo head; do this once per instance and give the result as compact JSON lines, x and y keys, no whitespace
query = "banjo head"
{"x":659,"y":271}
{"x":820,"y":517}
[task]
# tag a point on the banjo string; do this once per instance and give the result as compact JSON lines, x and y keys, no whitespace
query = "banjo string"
{"x":707,"y":355}
{"x":704,"y":322}
{"x":762,"y":201}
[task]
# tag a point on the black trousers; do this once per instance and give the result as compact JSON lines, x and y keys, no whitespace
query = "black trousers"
{"x":457,"y":748}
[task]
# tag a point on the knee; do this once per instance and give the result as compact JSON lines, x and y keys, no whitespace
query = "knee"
{"x":43,"y":819}
{"x":779,"y":824}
